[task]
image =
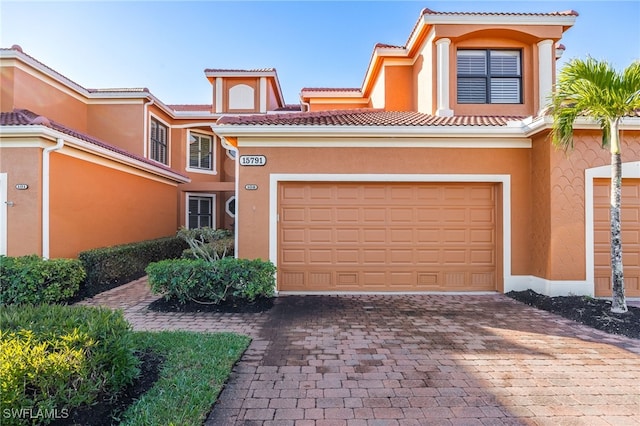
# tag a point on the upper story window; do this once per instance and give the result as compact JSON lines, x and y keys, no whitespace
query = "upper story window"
{"x":200,"y":152}
{"x":158,"y":141}
{"x":489,"y":77}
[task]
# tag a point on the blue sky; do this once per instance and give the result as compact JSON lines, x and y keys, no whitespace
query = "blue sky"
{"x":166,"y":45}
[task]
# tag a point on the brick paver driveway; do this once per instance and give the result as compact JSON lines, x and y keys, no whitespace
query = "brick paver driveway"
{"x":412,"y":360}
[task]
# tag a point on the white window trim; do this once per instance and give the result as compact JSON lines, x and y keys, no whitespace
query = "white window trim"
{"x":148,"y":142}
{"x":214,"y":153}
{"x":226,"y":206}
{"x":214,"y":208}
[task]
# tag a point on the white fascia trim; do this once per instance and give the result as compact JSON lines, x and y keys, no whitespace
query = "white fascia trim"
{"x":630,"y":170}
{"x":505,"y":180}
{"x":468,"y":142}
{"x":533,"y":125}
{"x":51,"y":134}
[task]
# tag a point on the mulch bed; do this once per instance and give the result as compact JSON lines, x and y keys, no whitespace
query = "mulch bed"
{"x":105,"y":411}
{"x":595,"y":313}
{"x":229,"y":306}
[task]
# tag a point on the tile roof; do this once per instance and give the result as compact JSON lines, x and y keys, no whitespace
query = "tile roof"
{"x":23,"y":117}
{"x":365,"y":117}
{"x":192,"y":107}
{"x":330,"y":89}
{"x":223,"y":70}
{"x":290,"y":107}
{"x":427,"y":11}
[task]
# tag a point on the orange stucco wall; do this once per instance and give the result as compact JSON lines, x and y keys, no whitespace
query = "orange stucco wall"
{"x":95,"y":206}
{"x":24,"y":218}
{"x":45,"y":99}
{"x":118,"y":124}
{"x":6,"y":88}
{"x":558,"y":239}
{"x":399,"y":88}
{"x":253,"y":218}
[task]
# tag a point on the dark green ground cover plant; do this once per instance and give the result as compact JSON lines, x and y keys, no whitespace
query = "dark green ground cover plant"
{"x":33,"y":280}
{"x":61,"y":357}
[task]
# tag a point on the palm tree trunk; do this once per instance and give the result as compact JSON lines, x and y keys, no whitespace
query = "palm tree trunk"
{"x":619,"y":304}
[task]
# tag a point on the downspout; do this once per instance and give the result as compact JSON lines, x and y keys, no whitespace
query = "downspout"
{"x":45,"y":194}
{"x":146,"y":126}
{"x":226,"y":145}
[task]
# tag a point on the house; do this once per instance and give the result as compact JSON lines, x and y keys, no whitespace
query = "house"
{"x":83,"y":168}
{"x":437,"y":174}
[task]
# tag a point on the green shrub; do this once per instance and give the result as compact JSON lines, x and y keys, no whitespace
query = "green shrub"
{"x":61,"y":357}
{"x":32,"y":279}
{"x":212,"y":282}
{"x":215,"y":250}
{"x":207,"y":243}
{"x":110,"y":267}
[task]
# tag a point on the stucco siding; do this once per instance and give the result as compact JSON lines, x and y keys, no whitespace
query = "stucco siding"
{"x":253,"y":219}
{"x":24,"y":216}
{"x":95,"y":206}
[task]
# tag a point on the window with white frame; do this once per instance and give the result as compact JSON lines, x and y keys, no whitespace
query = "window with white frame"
{"x":200,"y":211}
{"x":158,"y":141}
{"x":489,"y":76}
{"x":200,"y":151}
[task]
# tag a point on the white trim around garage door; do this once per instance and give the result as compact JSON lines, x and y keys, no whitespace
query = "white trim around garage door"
{"x":630,"y":170}
{"x":505,"y":180}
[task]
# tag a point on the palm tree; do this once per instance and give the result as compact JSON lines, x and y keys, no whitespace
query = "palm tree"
{"x":593,"y":89}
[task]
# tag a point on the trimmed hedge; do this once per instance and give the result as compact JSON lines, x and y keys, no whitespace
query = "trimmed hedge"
{"x":205,"y":282}
{"x":56,"y":357}
{"x":110,"y":267}
{"x":32,"y":279}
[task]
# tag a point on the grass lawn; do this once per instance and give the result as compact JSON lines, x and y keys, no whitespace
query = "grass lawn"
{"x":195,"y":368}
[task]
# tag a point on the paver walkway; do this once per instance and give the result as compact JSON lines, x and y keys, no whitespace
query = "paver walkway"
{"x":411,"y":360}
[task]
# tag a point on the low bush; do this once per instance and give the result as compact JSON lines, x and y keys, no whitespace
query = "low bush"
{"x":216,"y":249}
{"x":207,"y":243}
{"x":55,"y":357}
{"x":212,"y":282}
{"x":110,"y":267}
{"x":32,"y":279}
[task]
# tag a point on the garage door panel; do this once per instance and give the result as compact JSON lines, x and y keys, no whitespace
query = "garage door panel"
{"x":292,"y":214}
{"x":387,"y":237}
{"x":630,"y":218}
{"x":347,"y":236}
{"x":401,"y":236}
{"x":347,"y":215}
{"x":351,"y":256}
